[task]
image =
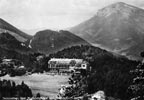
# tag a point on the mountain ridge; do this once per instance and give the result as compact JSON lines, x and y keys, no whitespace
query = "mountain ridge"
{"x":49,"y":41}
{"x":18,"y":34}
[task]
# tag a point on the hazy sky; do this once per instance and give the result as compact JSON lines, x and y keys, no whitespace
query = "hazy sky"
{"x":32,"y":14}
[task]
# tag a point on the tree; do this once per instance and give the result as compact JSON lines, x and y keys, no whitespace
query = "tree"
{"x":38,"y":95}
{"x":73,"y":63}
{"x":137,"y":87}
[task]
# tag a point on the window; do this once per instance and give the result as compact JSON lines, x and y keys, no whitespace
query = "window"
{"x":84,"y":65}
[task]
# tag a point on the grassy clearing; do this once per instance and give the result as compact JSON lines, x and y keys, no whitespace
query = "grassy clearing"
{"x":46,"y":85}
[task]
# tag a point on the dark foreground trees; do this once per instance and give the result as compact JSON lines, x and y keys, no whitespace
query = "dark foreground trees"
{"x":136,"y":89}
{"x":10,"y":89}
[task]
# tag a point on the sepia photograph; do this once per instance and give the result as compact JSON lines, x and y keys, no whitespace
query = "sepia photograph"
{"x":71,"y":49}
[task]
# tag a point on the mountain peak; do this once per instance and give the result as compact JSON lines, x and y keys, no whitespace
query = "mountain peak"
{"x":118,"y":27}
{"x":119,"y":8}
{"x":120,"y":3}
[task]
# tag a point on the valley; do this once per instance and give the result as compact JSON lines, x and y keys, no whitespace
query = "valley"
{"x":100,"y":58}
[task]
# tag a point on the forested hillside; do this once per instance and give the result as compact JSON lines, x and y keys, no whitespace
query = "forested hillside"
{"x":49,"y":41}
{"x":110,"y":72}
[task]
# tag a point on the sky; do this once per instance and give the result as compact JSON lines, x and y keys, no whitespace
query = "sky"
{"x":53,"y":14}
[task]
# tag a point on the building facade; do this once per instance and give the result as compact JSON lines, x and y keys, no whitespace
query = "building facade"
{"x":64,"y":64}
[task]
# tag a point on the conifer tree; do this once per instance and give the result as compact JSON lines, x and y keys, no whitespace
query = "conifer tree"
{"x":137,"y":87}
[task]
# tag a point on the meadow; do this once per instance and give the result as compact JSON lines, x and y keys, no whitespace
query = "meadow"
{"x":46,"y":85}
